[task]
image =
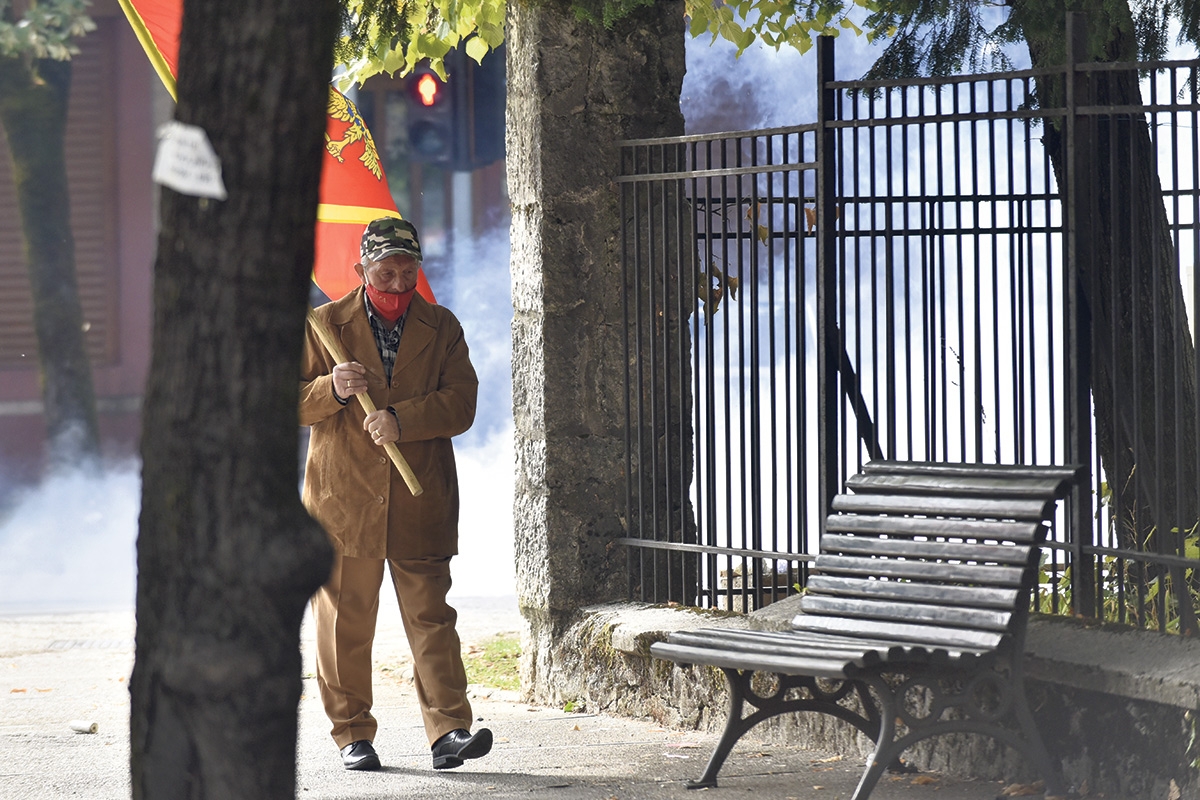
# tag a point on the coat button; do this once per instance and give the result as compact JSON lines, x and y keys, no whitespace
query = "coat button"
{"x":380,"y":499}
{"x":382,"y":460}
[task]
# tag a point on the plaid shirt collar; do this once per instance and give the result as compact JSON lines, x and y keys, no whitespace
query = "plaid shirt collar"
{"x":388,"y":342}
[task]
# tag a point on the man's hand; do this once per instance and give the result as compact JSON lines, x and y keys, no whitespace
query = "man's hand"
{"x":382,"y":426}
{"x":349,"y":378}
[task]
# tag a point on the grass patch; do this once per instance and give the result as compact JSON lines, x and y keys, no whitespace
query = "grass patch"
{"x":494,"y":663}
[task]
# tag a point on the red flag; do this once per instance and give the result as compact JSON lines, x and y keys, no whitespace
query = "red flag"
{"x":354,"y":189}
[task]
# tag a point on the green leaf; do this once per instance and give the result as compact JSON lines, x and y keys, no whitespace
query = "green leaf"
{"x":476,"y":48}
{"x":492,"y":35}
{"x":745,"y":40}
{"x":432,"y":46}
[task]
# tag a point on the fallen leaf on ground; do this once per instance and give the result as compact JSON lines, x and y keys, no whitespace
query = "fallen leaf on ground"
{"x":17,"y":691}
{"x":1173,"y":792}
{"x":923,"y":780}
{"x":829,"y":760}
{"x":1023,"y":789}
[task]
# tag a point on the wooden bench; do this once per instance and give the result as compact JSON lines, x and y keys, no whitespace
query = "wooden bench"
{"x":917,"y":607}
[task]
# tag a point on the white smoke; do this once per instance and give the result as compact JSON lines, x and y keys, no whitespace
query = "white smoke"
{"x":481,"y":298}
{"x":762,"y":88}
{"x":68,"y":543}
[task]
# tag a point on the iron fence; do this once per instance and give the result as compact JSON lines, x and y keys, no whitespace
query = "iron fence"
{"x":990,"y":268}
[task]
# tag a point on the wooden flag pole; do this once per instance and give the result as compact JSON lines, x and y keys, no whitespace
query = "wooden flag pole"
{"x":340,"y":356}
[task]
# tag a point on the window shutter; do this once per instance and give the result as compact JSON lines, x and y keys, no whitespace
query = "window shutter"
{"x":90,"y":157}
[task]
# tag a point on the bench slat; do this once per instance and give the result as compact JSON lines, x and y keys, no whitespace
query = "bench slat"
{"x":765,"y":662}
{"x":1023,"y":532}
{"x":954,"y":485}
{"x":1062,"y":474}
{"x":897,"y":651}
{"x":869,"y":650}
{"x":858,"y":652}
{"x":919,"y":570}
{"x":932,"y":637}
{"x":942,"y":506}
{"x":987,"y":619}
{"x":977,"y":596}
{"x":909,"y":548}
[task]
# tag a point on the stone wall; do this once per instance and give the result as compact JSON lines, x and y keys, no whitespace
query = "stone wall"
{"x":575,"y":91}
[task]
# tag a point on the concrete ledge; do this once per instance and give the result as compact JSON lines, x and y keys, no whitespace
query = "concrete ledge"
{"x":1139,"y":665}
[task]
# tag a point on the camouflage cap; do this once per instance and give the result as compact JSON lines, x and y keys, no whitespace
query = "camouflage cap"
{"x":389,"y":236}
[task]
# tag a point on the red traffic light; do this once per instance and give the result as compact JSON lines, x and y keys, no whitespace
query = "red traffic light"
{"x":428,"y":90}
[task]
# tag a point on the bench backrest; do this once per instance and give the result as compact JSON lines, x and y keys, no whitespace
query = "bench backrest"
{"x":933,"y":555}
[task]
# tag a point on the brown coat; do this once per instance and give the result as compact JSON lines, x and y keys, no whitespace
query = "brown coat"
{"x":350,"y":485}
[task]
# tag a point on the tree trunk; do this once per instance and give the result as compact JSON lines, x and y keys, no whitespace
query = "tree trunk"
{"x":1143,"y":359}
{"x":227,"y":556}
{"x":33,"y":110}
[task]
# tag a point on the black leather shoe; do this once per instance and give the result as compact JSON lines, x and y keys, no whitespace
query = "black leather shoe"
{"x":360,"y":755}
{"x":452,"y":749}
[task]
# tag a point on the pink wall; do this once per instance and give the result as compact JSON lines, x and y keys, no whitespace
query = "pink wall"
{"x":119,"y":385}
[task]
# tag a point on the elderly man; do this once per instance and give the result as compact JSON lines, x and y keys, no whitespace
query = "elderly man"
{"x":410,"y":358}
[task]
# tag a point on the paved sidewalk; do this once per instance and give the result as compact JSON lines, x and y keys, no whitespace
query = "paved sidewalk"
{"x":56,"y":668}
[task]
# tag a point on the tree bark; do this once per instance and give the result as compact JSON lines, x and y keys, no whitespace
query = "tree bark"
{"x":227,"y":556}
{"x":1142,"y":356}
{"x":33,"y":110}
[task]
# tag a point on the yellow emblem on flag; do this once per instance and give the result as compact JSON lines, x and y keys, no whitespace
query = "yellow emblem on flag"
{"x":340,"y":108}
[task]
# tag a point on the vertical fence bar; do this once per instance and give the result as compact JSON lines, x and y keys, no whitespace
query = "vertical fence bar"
{"x":627,"y":168}
{"x":828,"y":344}
{"x":1078,"y":193}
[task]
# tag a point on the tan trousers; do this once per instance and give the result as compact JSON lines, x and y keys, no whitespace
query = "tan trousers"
{"x":345,"y":610}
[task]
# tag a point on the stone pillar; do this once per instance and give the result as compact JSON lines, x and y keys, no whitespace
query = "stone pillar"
{"x":575,"y":90}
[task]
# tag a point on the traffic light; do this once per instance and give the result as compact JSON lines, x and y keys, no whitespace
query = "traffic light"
{"x":457,"y":124}
{"x":431,"y":118}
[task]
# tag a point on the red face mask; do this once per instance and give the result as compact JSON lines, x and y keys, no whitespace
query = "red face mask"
{"x":389,"y":306}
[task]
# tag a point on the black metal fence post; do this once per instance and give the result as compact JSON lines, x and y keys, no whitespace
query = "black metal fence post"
{"x":829,"y":344}
{"x":1079,"y":194}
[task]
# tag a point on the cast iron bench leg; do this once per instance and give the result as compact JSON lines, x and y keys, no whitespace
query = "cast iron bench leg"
{"x":735,"y":726}
{"x":885,"y":754}
{"x":820,"y":701}
{"x":1035,"y":748}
